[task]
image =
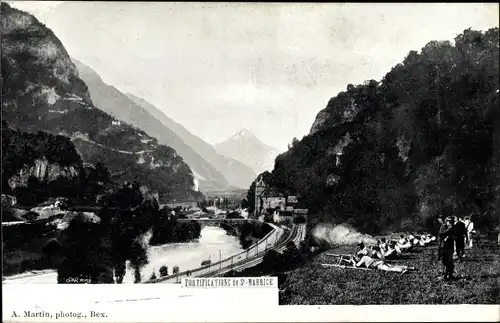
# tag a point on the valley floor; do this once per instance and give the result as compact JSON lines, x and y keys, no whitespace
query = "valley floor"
{"x":478,"y":280}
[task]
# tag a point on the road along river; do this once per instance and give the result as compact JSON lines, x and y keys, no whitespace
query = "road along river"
{"x":213,"y":243}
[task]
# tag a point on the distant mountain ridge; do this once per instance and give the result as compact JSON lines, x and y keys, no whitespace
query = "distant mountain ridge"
{"x":41,"y":90}
{"x":245,"y":147}
{"x":116,"y":103}
{"x":236,"y":172}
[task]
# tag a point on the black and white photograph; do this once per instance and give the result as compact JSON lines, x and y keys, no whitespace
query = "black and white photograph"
{"x":349,"y":150}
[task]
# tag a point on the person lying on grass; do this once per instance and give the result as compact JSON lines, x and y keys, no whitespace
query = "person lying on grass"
{"x":372,"y":263}
{"x":413,"y":240}
{"x":377,"y":253}
{"x":382,"y":243}
{"x":391,"y":251}
{"x":404,"y":243}
{"x":424,"y":240}
{"x":364,"y":250}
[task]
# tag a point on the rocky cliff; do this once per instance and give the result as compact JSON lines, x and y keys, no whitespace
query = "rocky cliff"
{"x":41,"y":155}
{"x":42,"y":91}
{"x":421,"y":143}
{"x":44,"y":171}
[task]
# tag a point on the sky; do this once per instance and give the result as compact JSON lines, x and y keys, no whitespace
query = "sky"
{"x":217,"y":68}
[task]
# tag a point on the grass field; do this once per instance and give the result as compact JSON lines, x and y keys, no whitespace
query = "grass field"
{"x":478,"y":279}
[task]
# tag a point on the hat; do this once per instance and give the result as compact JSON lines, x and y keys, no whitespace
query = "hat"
{"x":449,"y":218}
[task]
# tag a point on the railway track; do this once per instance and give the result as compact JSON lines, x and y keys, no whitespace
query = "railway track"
{"x":296,"y":235}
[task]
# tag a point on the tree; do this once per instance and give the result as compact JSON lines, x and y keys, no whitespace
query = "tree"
{"x":163,"y":271}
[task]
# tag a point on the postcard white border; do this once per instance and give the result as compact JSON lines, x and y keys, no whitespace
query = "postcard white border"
{"x":171,"y":303}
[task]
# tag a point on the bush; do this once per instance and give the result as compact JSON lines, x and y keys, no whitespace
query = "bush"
{"x":137,"y":276}
{"x":272,"y":261}
{"x":175,"y":270}
{"x":163,"y":271}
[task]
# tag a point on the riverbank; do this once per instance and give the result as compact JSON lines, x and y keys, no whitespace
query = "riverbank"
{"x":47,"y":276}
{"x":477,"y":283}
{"x":22,"y":243}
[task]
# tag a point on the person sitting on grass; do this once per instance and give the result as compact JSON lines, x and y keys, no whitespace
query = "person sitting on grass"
{"x":372,"y":263}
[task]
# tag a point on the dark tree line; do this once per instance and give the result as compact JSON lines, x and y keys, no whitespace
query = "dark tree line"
{"x":97,"y":251}
{"x":171,"y":231}
{"x":250,"y":231}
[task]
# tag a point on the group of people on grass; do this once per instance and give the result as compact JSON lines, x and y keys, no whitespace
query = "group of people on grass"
{"x":373,"y":257}
{"x":454,"y":235}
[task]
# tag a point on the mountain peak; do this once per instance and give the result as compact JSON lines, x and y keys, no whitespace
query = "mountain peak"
{"x":244,"y":133}
{"x":245,"y":147}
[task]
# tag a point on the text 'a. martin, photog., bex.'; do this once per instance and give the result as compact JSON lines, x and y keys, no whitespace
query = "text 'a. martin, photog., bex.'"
{"x":241,"y":282}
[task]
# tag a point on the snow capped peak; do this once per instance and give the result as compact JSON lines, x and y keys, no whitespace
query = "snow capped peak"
{"x":243,"y":133}
{"x":248,"y":149}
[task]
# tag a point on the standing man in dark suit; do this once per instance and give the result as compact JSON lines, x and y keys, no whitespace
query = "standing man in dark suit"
{"x":460,"y":232}
{"x":447,"y":246}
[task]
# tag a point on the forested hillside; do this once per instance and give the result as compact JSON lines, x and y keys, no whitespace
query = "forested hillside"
{"x":41,"y":91}
{"x":422,"y":142}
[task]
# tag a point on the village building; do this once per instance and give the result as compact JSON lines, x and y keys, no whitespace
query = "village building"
{"x":271,"y":203}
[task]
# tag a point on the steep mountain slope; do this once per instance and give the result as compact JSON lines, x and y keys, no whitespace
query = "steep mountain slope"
{"x":421,"y":143}
{"x":41,"y":90}
{"x":238,"y":174}
{"x":112,"y":101}
{"x":245,"y":147}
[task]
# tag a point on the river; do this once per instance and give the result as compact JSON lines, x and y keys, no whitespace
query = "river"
{"x":188,"y":255}
{"x":185,"y":255}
